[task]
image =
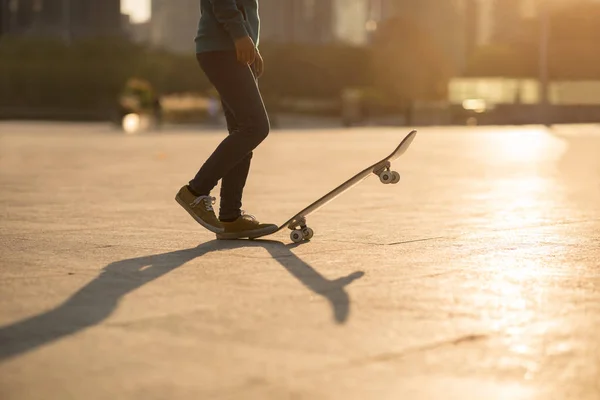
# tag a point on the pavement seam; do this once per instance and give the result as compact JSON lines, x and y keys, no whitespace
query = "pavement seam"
{"x":499,"y":230}
{"x":380,"y":358}
{"x":391,"y":356}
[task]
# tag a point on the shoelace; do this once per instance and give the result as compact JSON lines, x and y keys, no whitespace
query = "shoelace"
{"x":249,"y":217}
{"x":207,"y":204}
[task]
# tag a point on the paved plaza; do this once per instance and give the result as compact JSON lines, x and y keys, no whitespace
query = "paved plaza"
{"x":476,"y":277}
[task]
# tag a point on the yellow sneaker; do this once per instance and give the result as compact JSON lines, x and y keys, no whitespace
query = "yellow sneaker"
{"x":246,"y":226}
{"x":200,"y":208}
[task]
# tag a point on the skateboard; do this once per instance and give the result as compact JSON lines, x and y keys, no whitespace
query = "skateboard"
{"x":297,"y":224}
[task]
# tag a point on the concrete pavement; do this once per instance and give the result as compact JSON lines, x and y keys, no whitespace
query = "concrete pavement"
{"x":478,"y":276}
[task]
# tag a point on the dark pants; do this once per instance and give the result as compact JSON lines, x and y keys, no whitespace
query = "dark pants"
{"x":248,"y":126}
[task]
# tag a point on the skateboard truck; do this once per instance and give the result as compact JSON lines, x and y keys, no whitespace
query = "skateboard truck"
{"x":300,"y":231}
{"x":385,"y":175}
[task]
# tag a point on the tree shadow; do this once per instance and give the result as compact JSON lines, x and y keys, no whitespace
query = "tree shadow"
{"x":97,"y":300}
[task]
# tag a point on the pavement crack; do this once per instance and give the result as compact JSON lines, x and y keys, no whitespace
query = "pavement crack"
{"x":420,"y":240}
{"x":499,"y":230}
{"x":435,"y":275}
{"x":392,"y":356}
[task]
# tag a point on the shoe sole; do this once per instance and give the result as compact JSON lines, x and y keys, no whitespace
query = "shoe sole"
{"x":248,"y":234}
{"x":198,"y":219}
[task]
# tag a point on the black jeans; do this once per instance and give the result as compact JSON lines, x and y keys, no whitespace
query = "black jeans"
{"x":248,"y":126}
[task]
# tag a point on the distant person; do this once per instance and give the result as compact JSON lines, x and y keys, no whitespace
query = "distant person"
{"x":136,"y":98}
{"x":157,"y":112}
{"x":226,"y":49}
{"x":213,"y":110}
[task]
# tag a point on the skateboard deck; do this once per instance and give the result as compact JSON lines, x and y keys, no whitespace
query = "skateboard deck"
{"x":297,"y":223}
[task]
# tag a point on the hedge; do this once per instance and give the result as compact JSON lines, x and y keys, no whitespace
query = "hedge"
{"x":87,"y":76}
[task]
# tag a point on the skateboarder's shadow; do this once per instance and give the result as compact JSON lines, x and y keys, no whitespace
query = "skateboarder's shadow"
{"x":96,"y":301}
{"x":332,"y":290}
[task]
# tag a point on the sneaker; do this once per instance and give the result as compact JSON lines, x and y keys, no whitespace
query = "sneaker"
{"x":246,"y":226}
{"x":200,"y":208}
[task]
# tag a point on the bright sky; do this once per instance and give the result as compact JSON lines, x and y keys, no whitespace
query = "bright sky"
{"x":138,"y":9}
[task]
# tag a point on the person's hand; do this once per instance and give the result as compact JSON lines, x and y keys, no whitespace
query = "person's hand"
{"x":245,"y":49}
{"x":259,"y":65}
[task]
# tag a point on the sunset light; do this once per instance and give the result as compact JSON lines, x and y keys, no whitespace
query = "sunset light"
{"x":300,"y":199}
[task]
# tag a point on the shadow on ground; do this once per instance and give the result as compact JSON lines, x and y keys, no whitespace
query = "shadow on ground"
{"x":96,"y":301}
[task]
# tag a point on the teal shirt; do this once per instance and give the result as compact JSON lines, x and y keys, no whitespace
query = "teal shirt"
{"x":223,"y":21}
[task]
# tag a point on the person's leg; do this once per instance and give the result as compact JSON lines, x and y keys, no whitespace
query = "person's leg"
{"x":248,"y":125}
{"x":239,"y":91}
{"x":232,"y":184}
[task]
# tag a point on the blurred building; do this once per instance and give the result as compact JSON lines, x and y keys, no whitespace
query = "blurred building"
{"x":289,"y":21}
{"x":461,"y":26}
{"x":139,"y":32}
{"x":17,"y":16}
{"x":471,"y":11}
{"x":68,"y":19}
{"x":507,"y":18}
{"x":529,"y":8}
{"x":174,"y":24}
{"x":317,"y":21}
{"x":494,"y":21}
{"x":4,"y":13}
{"x":354,"y":21}
{"x":444,"y":20}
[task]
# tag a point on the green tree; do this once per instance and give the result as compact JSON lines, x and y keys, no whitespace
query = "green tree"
{"x":573,"y":47}
{"x":407,"y":64}
{"x":87,"y":77}
{"x":514,"y":61}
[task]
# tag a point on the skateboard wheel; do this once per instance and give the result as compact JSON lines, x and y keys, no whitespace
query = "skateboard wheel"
{"x":307,"y":233}
{"x":296,"y":236}
{"x":395,"y":177}
{"x":386,"y":177}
